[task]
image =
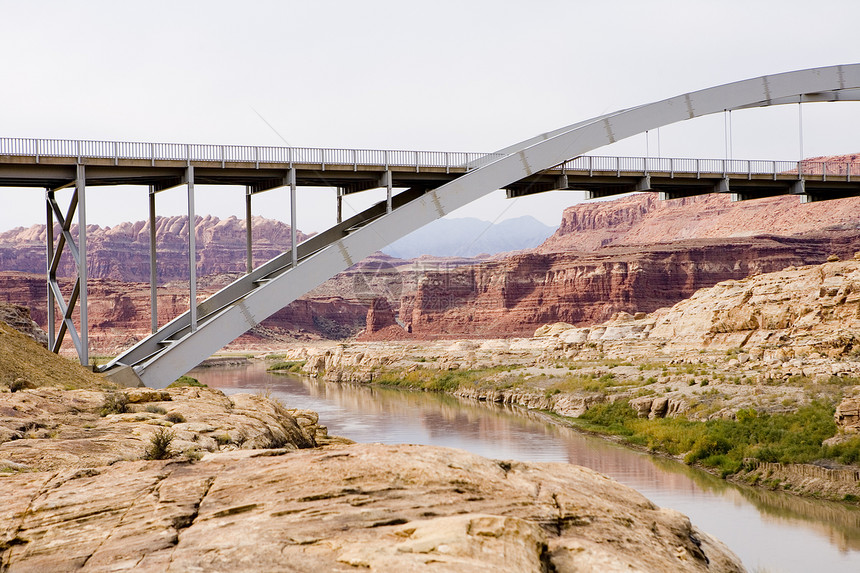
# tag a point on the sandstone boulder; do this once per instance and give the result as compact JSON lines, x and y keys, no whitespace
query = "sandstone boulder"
{"x":848,"y":415}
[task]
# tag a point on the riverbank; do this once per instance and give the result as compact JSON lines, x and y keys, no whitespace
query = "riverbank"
{"x":716,"y":410}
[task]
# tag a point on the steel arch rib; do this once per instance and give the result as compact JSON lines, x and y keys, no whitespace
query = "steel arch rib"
{"x":541,"y":152}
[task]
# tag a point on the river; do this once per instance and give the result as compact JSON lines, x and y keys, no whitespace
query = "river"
{"x":771,"y":532}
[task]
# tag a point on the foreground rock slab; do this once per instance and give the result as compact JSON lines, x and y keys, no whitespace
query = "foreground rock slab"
{"x":369,"y":506}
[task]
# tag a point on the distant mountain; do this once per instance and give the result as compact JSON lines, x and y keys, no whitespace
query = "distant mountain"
{"x":468,"y":237}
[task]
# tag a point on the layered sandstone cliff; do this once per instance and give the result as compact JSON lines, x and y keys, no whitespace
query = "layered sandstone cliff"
{"x":643,"y":219}
{"x":121,"y":252}
{"x":516,"y":295}
{"x":119,"y":312}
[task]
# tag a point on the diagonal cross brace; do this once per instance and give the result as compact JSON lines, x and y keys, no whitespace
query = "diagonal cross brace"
{"x":78,"y":296}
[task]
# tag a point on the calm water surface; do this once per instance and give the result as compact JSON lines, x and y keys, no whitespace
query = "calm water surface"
{"x":770,"y":531}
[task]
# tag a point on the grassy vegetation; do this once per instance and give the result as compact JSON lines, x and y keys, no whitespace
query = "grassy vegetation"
{"x":186,"y":381}
{"x":448,"y":380}
{"x":794,"y":437}
{"x":287,"y":366}
{"x":595,"y":383}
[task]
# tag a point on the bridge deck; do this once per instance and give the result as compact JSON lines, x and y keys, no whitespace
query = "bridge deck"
{"x":53,"y":164}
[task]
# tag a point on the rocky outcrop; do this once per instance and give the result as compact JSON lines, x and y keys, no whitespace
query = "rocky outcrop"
{"x":374,"y":507}
{"x":803,"y":479}
{"x":49,"y":428}
{"x":811,"y":309}
{"x":381,"y":323}
{"x":121,"y":253}
{"x":18,"y":317}
{"x":848,"y":415}
{"x":633,"y":254}
{"x":569,"y":405}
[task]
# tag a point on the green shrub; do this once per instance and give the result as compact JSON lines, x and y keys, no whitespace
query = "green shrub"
{"x":159,"y":445}
{"x":186,"y":381}
{"x":847,"y":452}
{"x":175,"y":417}
{"x":115,"y":403}
{"x":20,"y":384}
{"x":612,"y":416}
{"x":794,"y":437}
{"x":154,"y":409}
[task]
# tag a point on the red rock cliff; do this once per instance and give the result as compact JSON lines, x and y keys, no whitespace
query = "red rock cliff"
{"x":632,"y":254}
{"x":122,"y":252}
{"x":643,"y":219}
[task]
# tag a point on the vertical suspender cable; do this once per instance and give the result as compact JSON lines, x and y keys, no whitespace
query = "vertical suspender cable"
{"x":800,"y":128}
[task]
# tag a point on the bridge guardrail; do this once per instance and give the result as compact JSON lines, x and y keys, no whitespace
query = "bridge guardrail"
{"x":117,"y":150}
{"x":236,"y":153}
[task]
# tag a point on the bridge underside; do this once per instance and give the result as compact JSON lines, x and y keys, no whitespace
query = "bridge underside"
{"x":544,"y":163}
{"x":677,"y":185}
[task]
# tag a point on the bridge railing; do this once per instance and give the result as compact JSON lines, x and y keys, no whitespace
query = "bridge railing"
{"x":237,"y":153}
{"x":401,"y":158}
{"x":592,"y":163}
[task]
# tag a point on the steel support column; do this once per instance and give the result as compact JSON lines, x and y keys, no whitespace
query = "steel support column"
{"x":49,"y":251}
{"x":192,"y":247}
{"x":78,"y":252}
{"x":291,"y":180}
{"x":387,"y":182}
{"x":81,"y":190}
{"x":339,"y":205}
{"x":153,"y":268}
{"x":249,"y":247}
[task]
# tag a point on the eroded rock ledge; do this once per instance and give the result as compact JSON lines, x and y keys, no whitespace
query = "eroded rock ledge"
{"x":368,"y":506}
{"x":49,"y":428}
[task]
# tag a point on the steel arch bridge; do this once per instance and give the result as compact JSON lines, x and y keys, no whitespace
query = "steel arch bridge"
{"x":184,"y":342}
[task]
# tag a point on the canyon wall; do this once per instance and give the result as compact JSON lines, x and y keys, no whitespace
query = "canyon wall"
{"x":119,"y":312}
{"x":121,"y":252}
{"x":643,"y":219}
{"x":634,"y":254}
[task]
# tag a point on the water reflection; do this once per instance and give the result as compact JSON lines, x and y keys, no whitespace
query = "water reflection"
{"x":768,"y":530}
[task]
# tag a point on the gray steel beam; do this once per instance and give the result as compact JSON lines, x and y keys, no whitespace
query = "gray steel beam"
{"x":291,"y":181}
{"x":49,"y":251}
{"x":192,"y":248}
{"x":153,"y":263}
{"x":249,"y":247}
{"x":387,"y":182}
{"x":81,"y":190}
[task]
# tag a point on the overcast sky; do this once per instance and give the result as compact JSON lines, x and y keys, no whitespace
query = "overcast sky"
{"x":444,"y":75}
